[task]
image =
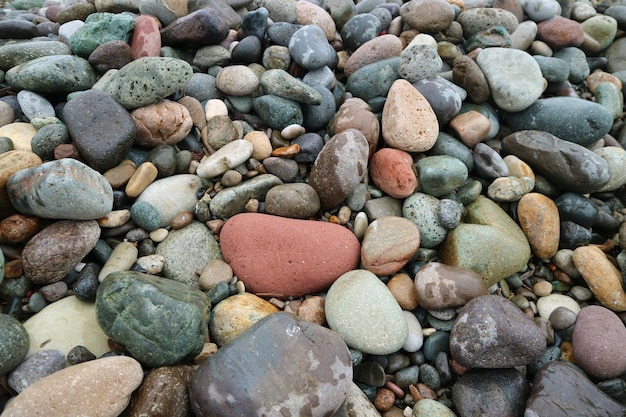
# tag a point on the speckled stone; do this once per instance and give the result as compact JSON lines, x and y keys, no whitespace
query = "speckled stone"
{"x":302,"y":368}
{"x":539,"y":219}
{"x":35,"y":367}
{"x":233,"y":200}
{"x":392,"y":171}
{"x":204,"y":26}
{"x":362,"y":310}
{"x":478,"y":19}
{"x":52,"y":74}
{"x":421,"y":209}
{"x":168,"y":334}
{"x":389,"y":243}
{"x":100,"y":28}
{"x":14,"y":54}
{"x":15,"y":343}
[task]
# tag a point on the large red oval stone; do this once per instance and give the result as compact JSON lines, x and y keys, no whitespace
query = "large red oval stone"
{"x":287,"y":257}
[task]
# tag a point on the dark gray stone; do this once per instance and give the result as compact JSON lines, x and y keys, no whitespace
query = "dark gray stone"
{"x":203,"y":27}
{"x":360,"y":29}
{"x":279,"y":366}
{"x":578,"y":209}
{"x":317,"y":117}
{"x":52,"y":74}
{"x":14,"y":343}
{"x":277,"y":112}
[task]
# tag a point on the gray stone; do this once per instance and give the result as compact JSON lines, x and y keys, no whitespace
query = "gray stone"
{"x":280,"y":83}
{"x":297,"y":200}
{"x":186,"y":252}
{"x":299,"y":368}
{"x":232,"y":200}
{"x":441,"y":174}
{"x":554,"y":70}
{"x":316,"y":117}
{"x":449,"y":145}
{"x":360,"y":29}
{"x":577,"y":61}
{"x":442,"y":96}
{"x":61,"y":189}
{"x":34,"y":105}
{"x":478,"y":19}
{"x":47,"y":138}
{"x":418,"y":62}
{"x":52,"y":74}
{"x":159,"y":321}
{"x":421,"y":209}
{"x":14,"y":344}
{"x":277,"y":112}
{"x":35,"y":367}
{"x":309,"y":48}
{"x":14,"y":54}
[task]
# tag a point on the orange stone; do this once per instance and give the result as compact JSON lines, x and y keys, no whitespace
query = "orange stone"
{"x":539,"y":219}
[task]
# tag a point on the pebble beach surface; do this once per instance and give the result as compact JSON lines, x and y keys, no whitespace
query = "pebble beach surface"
{"x":312,"y":208}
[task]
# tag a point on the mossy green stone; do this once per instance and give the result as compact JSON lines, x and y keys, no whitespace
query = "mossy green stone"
{"x":374,"y":80}
{"x":159,"y":321}
{"x":441,"y":174}
{"x":278,"y":112}
{"x":48,"y":138}
{"x":14,"y":343}
{"x":25,"y":4}
{"x":100,"y":28}
{"x":52,"y":74}
{"x":18,"y":53}
{"x":147,"y":80}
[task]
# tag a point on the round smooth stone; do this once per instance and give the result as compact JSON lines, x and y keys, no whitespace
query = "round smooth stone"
{"x":560,"y":32}
{"x":554,"y":70}
{"x":124,"y":255}
{"x":441,"y":174}
{"x":34,"y":105}
{"x":297,"y":200}
{"x":309,"y":48}
{"x":539,"y":11}
{"x":110,"y":55}
{"x":235,"y":315}
{"x":20,"y":133}
{"x":360,"y":29}
{"x":163,"y":123}
{"x":601,"y":28}
{"x":546,"y":305}
{"x":392,"y":171}
{"x":200,"y":27}
{"x":278,"y":112}
{"x":421,"y":209}
{"x":479,"y":19}
{"x":237,"y":80}
{"x":442,"y":96}
{"x":578,"y":66}
{"x":14,"y":345}
{"x":415,"y":339}
{"x":362,"y":310}
{"x":389,"y":243}
{"x":615,"y":158}
{"x":428,"y":16}
{"x":375,"y":79}
{"x":52,"y":74}
{"x":377,"y":49}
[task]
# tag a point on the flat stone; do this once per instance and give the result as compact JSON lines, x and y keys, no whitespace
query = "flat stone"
{"x":301,"y":368}
{"x":298,"y":265}
{"x":492,"y":332}
{"x":46,"y":189}
{"x":539,"y":219}
{"x":280,"y":83}
{"x":488,"y":242}
{"x":15,"y":344}
{"x":362,"y":310}
{"x":439,"y":286}
{"x":428,"y":16}
{"x":278,"y":112}
{"x":154,"y":336}
{"x":102,"y":386}
{"x":389,"y":243}
{"x":360,"y":29}
{"x":603,"y":278}
{"x":297,"y":200}
{"x":56,"y":249}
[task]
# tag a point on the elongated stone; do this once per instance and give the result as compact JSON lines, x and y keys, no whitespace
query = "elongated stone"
{"x":52,"y":74}
{"x":227,"y":157}
{"x":233,"y":200}
{"x":282,"y":84}
{"x":12,"y":55}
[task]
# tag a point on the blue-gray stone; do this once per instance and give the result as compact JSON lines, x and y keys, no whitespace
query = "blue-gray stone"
{"x":35,"y":367}
{"x":47,"y":138}
{"x":159,"y":321}
{"x":578,"y":209}
{"x":317,"y":117}
{"x":554,"y":70}
{"x":441,"y":174}
{"x":34,"y":105}
{"x":14,"y":343}
{"x":442,"y":97}
{"x":61,"y":189}
{"x":52,"y":74}
{"x":360,"y":29}
{"x":100,"y":28}
{"x":569,"y":118}
{"x":310,"y":49}
{"x":277,"y":112}
{"x":577,"y":61}
{"x":374,"y":80}
{"x":449,"y":145}
{"x":280,"y":32}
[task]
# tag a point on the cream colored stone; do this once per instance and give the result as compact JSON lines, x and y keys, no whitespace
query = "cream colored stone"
{"x":215,"y":272}
{"x":215,"y":107}
{"x":159,"y":235}
{"x":143,"y":176}
{"x":64,"y":324}
{"x":603,"y":278}
{"x":98,"y":388}
{"x":308,"y":13}
{"x":21,"y":133}
{"x":122,"y":258}
{"x":408,"y":122}
{"x":115,"y":218}
{"x":518,"y":168}
{"x":262,"y":147}
{"x":292,"y":131}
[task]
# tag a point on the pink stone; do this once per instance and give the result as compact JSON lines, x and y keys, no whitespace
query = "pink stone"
{"x":287,"y":257}
{"x":560,"y":32}
{"x":146,"y":37}
{"x":392,"y":171}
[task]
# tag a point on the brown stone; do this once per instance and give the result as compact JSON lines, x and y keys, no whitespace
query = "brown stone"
{"x":118,"y":176}
{"x":377,"y":49}
{"x":312,"y":309}
{"x":402,"y":288}
{"x":470,"y":127}
{"x":287,"y":151}
{"x":392,"y":172}
{"x":389,"y":243}
{"x":429,"y":16}
{"x":234,"y":315}
{"x":13,"y":269}
{"x":439,"y":286}
{"x":163,"y":393}
{"x":142,"y":177}
{"x":408,"y":121}
{"x":52,"y":252}
{"x":110,"y":55}
{"x":603,"y":278}
{"x":194,"y":107}
{"x":384,"y":399}
{"x":560,"y":32}
{"x":181,"y":220}
{"x":286,"y":257}
{"x":146,"y":39}
{"x":467,"y":74}
{"x":213,"y":273}
{"x":163,"y":123}
{"x":539,"y":219}
{"x":66,"y":150}
{"x":17,"y":228}
{"x":354,"y":116}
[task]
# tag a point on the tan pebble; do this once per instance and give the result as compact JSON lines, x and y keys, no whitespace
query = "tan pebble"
{"x":312,"y":309}
{"x":597,"y":77}
{"x":312,"y":14}
{"x":119,"y":175}
{"x":144,"y":176}
{"x":603,"y":278}
{"x":122,"y":258}
{"x":384,"y":399}
{"x":542,"y":288}
{"x":403,"y":290}
{"x":181,"y":220}
{"x":508,"y":189}
{"x":360,"y":225}
{"x":356,"y":116}
{"x":159,"y":235}
{"x":334,"y":219}
{"x":197,"y":113}
{"x":208,"y":350}
{"x":7,"y":114}
{"x":292,"y":131}
{"x":408,"y":121}
{"x":518,"y":168}
{"x":344,"y":215}
{"x":231,"y":178}
{"x":425,"y":391}
{"x":21,"y":133}
{"x":287,"y":151}
{"x":153,"y":264}
{"x":423,"y":39}
{"x":261,"y":145}
{"x":237,"y":80}
{"x":540,"y":48}
{"x":240,"y":286}
{"x":252,"y":206}
{"x":215,"y":272}
{"x":220,"y":132}
{"x":163,"y":123}
{"x":470,"y":127}
{"x":215,"y":107}
{"x":540,"y":221}
{"x":115,"y":218}
{"x":215,"y":225}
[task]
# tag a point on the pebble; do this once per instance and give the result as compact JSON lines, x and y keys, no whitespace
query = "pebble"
{"x":227,"y":157}
{"x":546,"y":305}
{"x":421,"y":209}
{"x":279,"y":82}
{"x":389,"y":243}
{"x":439,"y":286}
{"x":362,"y":310}
{"x":297,"y":265}
{"x":35,"y":367}
{"x":510,"y":337}
{"x":70,"y":73}
{"x":122,"y":258}
{"x":401,"y":286}
{"x":440,"y":174}
{"x":15,"y":344}
{"x":478,"y":19}
{"x":177,"y":328}
{"x":233,"y":200}
{"x":163,"y":123}
{"x":603,"y":278}
{"x":415,"y":339}
{"x":539,"y":219}
{"x":615,"y":158}
{"x":376,"y":49}
{"x":297,"y":200}
{"x":103,"y":386}
{"x":428,"y":407}
{"x":307,"y":352}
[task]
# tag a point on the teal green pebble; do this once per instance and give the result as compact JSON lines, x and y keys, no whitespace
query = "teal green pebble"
{"x":146,"y":80}
{"x":18,"y":53}
{"x":374,"y":80}
{"x":441,"y":174}
{"x":610,"y":96}
{"x":14,"y":343}
{"x":278,"y":112}
{"x":431,"y":408}
{"x":421,"y":209}
{"x":52,"y":74}
{"x":100,"y":28}
{"x":160,"y":322}
{"x":48,"y":138}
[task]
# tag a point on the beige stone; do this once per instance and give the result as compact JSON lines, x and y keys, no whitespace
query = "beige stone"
{"x":215,"y":107}
{"x":215,"y":272}
{"x":197,"y":113}
{"x":115,"y":218}
{"x":118,"y":176}
{"x":163,"y":123}
{"x":603,"y":278}
{"x":98,"y":388}
{"x":374,"y":50}
{"x":518,"y":168}
{"x":143,"y":176}
{"x":470,"y":127}
{"x":21,"y":133}
{"x":408,"y":122}
{"x":262,"y":147}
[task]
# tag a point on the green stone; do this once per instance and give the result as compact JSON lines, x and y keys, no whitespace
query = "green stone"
{"x":100,"y":28}
{"x":52,"y":74}
{"x":374,"y":80}
{"x":159,"y":321}
{"x":47,"y":139}
{"x":277,"y":112}
{"x":610,"y":96}
{"x":449,"y":145}
{"x":25,"y":4}
{"x":14,"y":343}
{"x":18,"y":53}
{"x":232,"y":200}
{"x":441,"y":174}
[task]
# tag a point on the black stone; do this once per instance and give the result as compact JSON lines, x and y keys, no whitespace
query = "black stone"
{"x":578,"y":209}
{"x":247,"y":51}
{"x":573,"y":235}
{"x":87,"y":284}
